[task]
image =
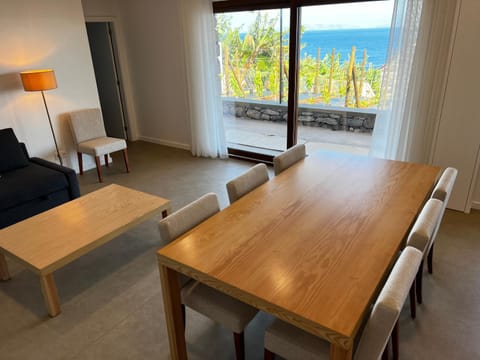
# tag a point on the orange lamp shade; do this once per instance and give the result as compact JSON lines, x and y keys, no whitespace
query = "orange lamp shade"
{"x":38,"y":80}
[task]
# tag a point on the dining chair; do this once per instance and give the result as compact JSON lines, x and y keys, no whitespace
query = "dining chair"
{"x":442,"y":192}
{"x":221,"y":308}
{"x":249,"y":180}
{"x":292,"y":343}
{"x":90,"y":138}
{"x":288,"y":158}
{"x":421,"y":235}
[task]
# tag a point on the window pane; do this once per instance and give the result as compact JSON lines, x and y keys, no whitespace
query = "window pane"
{"x":254,"y":76}
{"x":342,"y":53}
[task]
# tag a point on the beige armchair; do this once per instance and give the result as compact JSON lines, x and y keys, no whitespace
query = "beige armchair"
{"x":90,"y":138}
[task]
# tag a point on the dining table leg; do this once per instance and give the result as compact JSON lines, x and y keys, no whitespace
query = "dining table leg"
{"x":339,"y":353}
{"x":173,"y":312}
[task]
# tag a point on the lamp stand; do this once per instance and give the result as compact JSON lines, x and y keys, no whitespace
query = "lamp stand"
{"x":51,"y":128}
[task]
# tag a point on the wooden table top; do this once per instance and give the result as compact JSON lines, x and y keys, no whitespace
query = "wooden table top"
{"x":58,"y":236}
{"x":311,"y":245}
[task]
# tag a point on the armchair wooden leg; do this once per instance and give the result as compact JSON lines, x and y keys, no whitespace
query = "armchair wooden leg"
{"x":99,"y":169}
{"x":419,"y":283}
{"x":239,"y":345}
{"x":106,"y":159}
{"x":413,"y":300}
{"x":80,"y":162}
{"x":430,"y":259}
{"x":395,"y":342}
{"x":125,"y":158}
{"x":268,"y":355}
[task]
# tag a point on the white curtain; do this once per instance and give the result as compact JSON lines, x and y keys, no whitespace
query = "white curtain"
{"x":203,"y":82}
{"x":414,"y":79}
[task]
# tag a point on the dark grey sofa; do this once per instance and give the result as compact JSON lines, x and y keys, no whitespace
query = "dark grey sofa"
{"x":29,"y":186}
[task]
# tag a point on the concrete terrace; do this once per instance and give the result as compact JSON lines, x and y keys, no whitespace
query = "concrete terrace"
{"x":268,"y":135}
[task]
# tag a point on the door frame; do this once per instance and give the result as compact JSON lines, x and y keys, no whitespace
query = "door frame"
{"x":121,"y":58}
{"x":295,"y":6}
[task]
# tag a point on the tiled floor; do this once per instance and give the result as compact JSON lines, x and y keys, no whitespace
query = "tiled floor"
{"x":111,"y":298}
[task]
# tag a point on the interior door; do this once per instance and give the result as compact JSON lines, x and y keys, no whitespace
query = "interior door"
{"x":103,"y":57}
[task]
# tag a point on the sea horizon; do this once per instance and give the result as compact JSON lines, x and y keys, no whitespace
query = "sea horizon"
{"x":374,"y":40}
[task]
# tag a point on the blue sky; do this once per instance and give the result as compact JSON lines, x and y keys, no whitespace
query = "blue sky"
{"x":360,"y":15}
{"x":343,"y":16}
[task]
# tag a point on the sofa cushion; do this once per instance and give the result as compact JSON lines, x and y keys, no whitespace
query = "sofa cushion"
{"x":27,"y":183}
{"x":12,"y":155}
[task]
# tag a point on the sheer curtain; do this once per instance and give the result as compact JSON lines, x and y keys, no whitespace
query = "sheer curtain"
{"x":203,"y":82}
{"x":414,"y":78}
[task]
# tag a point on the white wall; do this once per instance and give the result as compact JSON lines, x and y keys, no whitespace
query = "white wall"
{"x":151,"y":36}
{"x":44,"y":34}
{"x":458,"y":138}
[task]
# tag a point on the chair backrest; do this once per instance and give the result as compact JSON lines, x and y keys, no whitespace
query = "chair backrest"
{"x":188,"y":217}
{"x":442,"y":192}
{"x":288,"y":158}
{"x":444,"y":186}
{"x":249,"y":180}
{"x":87,"y":125}
{"x":388,"y":306}
{"x":423,"y":230}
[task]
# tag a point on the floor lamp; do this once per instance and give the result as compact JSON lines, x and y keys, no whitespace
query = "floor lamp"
{"x":41,"y":80}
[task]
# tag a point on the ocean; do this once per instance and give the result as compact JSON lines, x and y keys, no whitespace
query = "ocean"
{"x":374,"y":40}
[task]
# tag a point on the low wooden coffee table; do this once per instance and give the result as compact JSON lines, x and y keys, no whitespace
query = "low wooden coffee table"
{"x":52,"y":239}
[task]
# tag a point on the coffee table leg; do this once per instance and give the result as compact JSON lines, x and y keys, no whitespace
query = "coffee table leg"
{"x":50,"y":294}
{"x":173,"y":313}
{"x":339,"y":353}
{"x":4,"y":274}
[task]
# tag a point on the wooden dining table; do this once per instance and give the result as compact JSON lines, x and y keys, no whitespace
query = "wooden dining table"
{"x":312,"y":246}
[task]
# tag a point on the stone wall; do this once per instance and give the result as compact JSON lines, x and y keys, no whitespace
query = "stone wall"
{"x":358,"y":120}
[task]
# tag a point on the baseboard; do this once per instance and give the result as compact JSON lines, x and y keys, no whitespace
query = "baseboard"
{"x":476,"y":205}
{"x":169,"y":143}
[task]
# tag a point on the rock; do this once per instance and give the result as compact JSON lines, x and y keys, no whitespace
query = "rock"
{"x":369,"y":123}
{"x":275,"y":118}
{"x":239,"y":111}
{"x":265,"y":117}
{"x":270,"y":112}
{"x":328,"y":121}
{"x":334,"y":116}
{"x":305,"y":118}
{"x":355,"y":123}
{"x":306,"y":113}
{"x":254,"y":114}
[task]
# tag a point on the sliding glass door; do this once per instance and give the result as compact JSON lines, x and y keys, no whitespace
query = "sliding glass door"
{"x":254,"y":57}
{"x":302,"y":73}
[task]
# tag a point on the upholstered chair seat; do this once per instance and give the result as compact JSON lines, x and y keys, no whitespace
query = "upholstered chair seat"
{"x":101,"y":146}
